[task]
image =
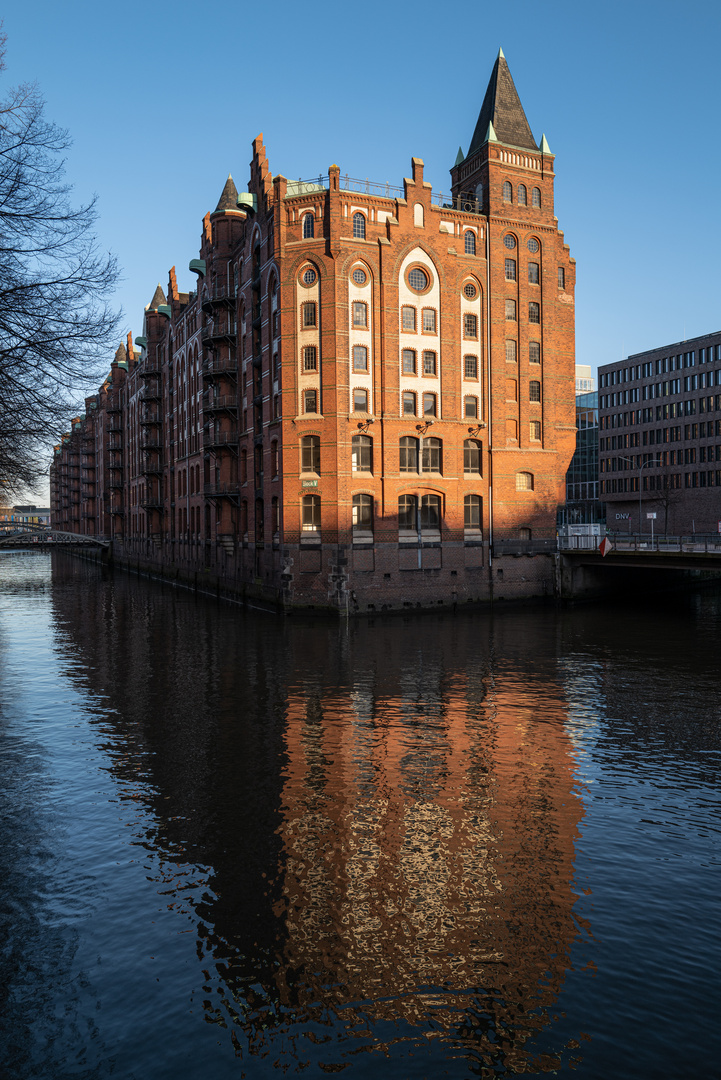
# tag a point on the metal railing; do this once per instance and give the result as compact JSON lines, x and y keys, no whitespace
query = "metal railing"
{"x":353,"y":183}
{"x":695,"y":544}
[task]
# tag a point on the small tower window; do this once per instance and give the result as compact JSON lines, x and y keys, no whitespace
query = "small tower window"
{"x":507,"y":191}
{"x":536,"y":198}
{"x":522,"y":195}
{"x":470,"y":242}
{"x":524,"y":481}
{"x":359,"y":227}
{"x":308,"y":227}
{"x":561,"y":278}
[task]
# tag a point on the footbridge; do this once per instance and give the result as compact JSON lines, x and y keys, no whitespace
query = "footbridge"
{"x":18,"y":533}
{"x":637,"y":562}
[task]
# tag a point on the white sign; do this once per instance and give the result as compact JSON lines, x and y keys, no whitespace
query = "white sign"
{"x":651,"y":517}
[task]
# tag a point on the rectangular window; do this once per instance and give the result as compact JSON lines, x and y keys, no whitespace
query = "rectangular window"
{"x":534,"y":352}
{"x":470,"y":326}
{"x":409,"y":403}
{"x":309,"y":315}
{"x":360,"y":401}
{"x":310,"y":358}
{"x":360,"y":313}
{"x":534,"y":312}
{"x":511,"y":353}
{"x":533,"y":273}
{"x":534,"y":391}
{"x":429,"y":363}
{"x":510,"y":269}
{"x":429,"y":404}
{"x":429,"y":321}
{"x":310,"y":401}
{"x":408,"y":362}
{"x":408,"y":318}
{"x":510,"y":310}
{"x":561,"y":278}
{"x":471,"y":407}
{"x":360,"y":358}
{"x":535,"y":431}
{"x":470,"y":367}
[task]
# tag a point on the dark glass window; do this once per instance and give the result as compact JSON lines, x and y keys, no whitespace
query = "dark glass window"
{"x":408,"y":454}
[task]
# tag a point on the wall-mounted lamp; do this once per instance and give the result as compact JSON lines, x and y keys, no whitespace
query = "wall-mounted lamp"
{"x":363,"y":425}
{"x":423,"y":428}
{"x":475,"y":430}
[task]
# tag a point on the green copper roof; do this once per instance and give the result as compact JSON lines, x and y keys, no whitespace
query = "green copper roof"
{"x":545,"y":148}
{"x":197,"y":266}
{"x":460,"y":156}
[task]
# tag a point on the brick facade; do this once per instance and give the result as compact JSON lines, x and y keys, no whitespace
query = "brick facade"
{"x":370,"y":391}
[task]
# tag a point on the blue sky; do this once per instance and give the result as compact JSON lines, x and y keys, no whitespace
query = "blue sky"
{"x":163,"y":101}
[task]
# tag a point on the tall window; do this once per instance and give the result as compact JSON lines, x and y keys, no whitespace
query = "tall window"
{"x":408,"y":454}
{"x":408,"y":318}
{"x":308,"y":226}
{"x":431,"y":512}
{"x":510,"y":265}
{"x":429,"y":363}
{"x":561,"y":278}
{"x":510,"y":310}
{"x":472,"y":513}
{"x":360,"y":313}
{"x":429,"y":405}
{"x":360,"y":400}
{"x":359,"y":227}
{"x":308,"y":312}
{"x":310,"y":401}
{"x":408,"y":363}
{"x":534,"y":352}
{"x":429,"y":321}
{"x":407,"y":512}
{"x":534,"y":273}
{"x":409,"y":403}
{"x":470,"y":242}
{"x":524,"y":481}
{"x":470,"y":367}
{"x":362,"y":513}
{"x":470,"y":326}
{"x":535,"y":431}
{"x":310,"y":358}
{"x":362,"y":453}
{"x":259,"y":520}
{"x":507,"y":191}
{"x":310,"y":454}
{"x":472,"y":457}
{"x":534,"y":391}
{"x":310,"y":513}
{"x":511,"y":351}
{"x":275,"y":515}
{"x":470,"y":407}
{"x":431,"y":455}
{"x":534,"y":312}
{"x":522,"y":195}
{"x":536,"y":198}
{"x":360,"y":358}
{"x":274,"y":458}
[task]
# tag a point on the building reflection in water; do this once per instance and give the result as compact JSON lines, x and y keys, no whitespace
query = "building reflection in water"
{"x":373,"y":826}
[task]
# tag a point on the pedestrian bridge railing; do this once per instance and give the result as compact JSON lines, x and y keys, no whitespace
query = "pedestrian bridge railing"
{"x":695,"y":544}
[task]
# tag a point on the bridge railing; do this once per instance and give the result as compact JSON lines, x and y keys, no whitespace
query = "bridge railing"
{"x":695,"y":544}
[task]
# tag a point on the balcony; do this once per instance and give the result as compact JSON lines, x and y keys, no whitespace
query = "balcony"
{"x":220,"y":403}
{"x":220,"y":329}
{"x":151,"y":468}
{"x":219,"y":491}
{"x":151,"y":441}
{"x":223,"y":365}
{"x":221,"y":296}
{"x":151,"y":392}
{"x":150,"y":416}
{"x":219,"y":438}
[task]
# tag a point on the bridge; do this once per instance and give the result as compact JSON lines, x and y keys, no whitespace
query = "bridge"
{"x":13,"y":533}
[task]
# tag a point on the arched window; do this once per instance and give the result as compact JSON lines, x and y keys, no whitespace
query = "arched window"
{"x":359,"y":227}
{"x":470,"y":326}
{"x":472,"y":513}
{"x":536,"y":198}
{"x":418,"y":215}
{"x":308,"y":314}
{"x":431,"y":512}
{"x":362,"y":513}
{"x":429,"y":405}
{"x":431,"y":456}
{"x":472,"y":457}
{"x":524,"y":533}
{"x":524,"y":481}
{"x":310,"y":358}
{"x":470,"y":242}
{"x":522,"y":195}
{"x":409,"y":403}
{"x":534,"y":312}
{"x":259,"y":521}
{"x":408,"y":454}
{"x":360,"y":400}
{"x":310,"y":454}
{"x":275,"y":515}
{"x":274,"y":458}
{"x":362,"y":453}
{"x":534,"y":352}
{"x":407,"y":507}
{"x":308,"y":226}
{"x":360,"y":313}
{"x":310,"y":513}
{"x":360,"y":358}
{"x":507,"y":191}
{"x":534,"y":390}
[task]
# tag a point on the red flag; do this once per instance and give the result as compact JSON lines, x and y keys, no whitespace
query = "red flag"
{"x":605,"y":546}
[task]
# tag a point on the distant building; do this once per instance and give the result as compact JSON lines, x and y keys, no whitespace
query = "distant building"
{"x":369,"y":390}
{"x":582,"y":487}
{"x":585,"y":383}
{"x":660,"y":438}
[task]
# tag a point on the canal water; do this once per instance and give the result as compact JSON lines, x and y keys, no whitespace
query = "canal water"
{"x":235,"y":845}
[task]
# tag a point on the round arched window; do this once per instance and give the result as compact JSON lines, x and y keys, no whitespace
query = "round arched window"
{"x":418,"y":279}
{"x":359,"y":276}
{"x":509,"y":241}
{"x":470,"y":290}
{"x":533,"y":245}
{"x":309,"y":276}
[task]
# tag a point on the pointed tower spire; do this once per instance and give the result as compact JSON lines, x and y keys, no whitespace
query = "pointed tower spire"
{"x":158,"y":298}
{"x":228,"y":197}
{"x":491,"y":134}
{"x":502,"y":110}
{"x":459,"y":156}
{"x":545,"y":148}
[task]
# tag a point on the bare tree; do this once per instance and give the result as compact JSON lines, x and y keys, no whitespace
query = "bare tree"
{"x":55,"y":320}
{"x":666,"y":499}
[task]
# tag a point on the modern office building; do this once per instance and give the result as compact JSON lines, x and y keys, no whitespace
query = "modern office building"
{"x":582,"y":488}
{"x":660,"y":438}
{"x":369,"y":390}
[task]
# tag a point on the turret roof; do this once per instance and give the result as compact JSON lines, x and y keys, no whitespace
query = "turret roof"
{"x":503,"y":110}
{"x":228,"y":197}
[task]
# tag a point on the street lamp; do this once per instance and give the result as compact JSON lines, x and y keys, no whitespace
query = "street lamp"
{"x":653,"y":461}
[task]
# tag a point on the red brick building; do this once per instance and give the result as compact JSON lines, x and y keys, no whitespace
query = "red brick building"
{"x":369,"y":400}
